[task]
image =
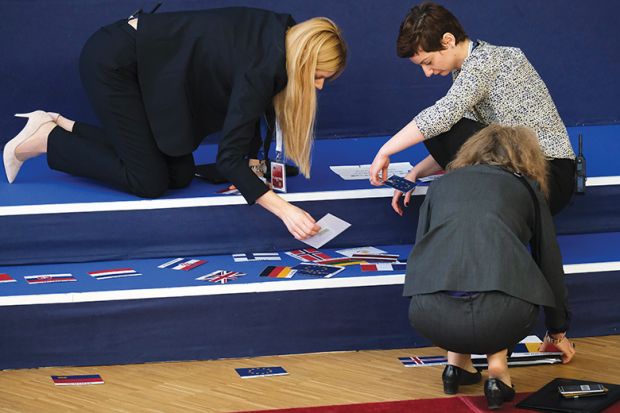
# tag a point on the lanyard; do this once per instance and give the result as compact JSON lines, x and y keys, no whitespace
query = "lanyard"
{"x":279,"y":144}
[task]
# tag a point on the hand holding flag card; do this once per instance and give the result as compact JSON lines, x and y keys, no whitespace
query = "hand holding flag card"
{"x":316,"y":270}
{"x":331,"y":227}
{"x":81,"y":380}
{"x":250,"y":373}
{"x":399,"y":183}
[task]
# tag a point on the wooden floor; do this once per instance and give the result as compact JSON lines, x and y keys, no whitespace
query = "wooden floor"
{"x":314,"y":379}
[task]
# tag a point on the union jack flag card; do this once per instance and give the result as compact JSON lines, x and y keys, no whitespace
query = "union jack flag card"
{"x":400,"y":183}
{"x":221,"y":276}
{"x":418,"y":361}
{"x":49,"y":278}
{"x":317,"y":270}
{"x":114,"y":273}
{"x":384,"y":266}
{"x":278,"y":272}
{"x":308,"y":255}
{"x":252,"y":372}
{"x":182,"y":264}
{"x":256,"y":256}
{"x":77,"y":380}
{"x":6,"y":278}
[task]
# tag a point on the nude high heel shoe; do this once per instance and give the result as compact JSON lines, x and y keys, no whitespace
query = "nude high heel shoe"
{"x":11,"y":163}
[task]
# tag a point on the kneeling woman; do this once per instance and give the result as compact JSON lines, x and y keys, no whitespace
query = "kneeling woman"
{"x":474,"y":286}
{"x":159,"y":83}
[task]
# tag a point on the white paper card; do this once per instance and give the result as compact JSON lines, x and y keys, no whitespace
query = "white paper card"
{"x":361,"y":250}
{"x":331,"y":227}
{"x":352,"y":172}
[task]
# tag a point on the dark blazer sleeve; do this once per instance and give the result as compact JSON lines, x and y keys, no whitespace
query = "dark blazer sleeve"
{"x":251,"y":95}
{"x":556,"y":318}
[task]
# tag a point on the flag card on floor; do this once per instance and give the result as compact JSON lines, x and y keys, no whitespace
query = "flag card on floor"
{"x":377,"y":257}
{"x":228,"y":191}
{"x":49,"y":278}
{"x":316,"y":270}
{"x":256,"y":256}
{"x":221,"y":276}
{"x":6,"y":278}
{"x":182,"y":264}
{"x":114,"y":273}
{"x":170,"y":263}
{"x":252,"y":372}
{"x":525,"y":353}
{"x":308,"y":255}
{"x":349,"y":252}
{"x":81,"y":380}
{"x":418,"y":361}
{"x":384,"y":266}
{"x":273,"y":271}
{"x":341,"y":261}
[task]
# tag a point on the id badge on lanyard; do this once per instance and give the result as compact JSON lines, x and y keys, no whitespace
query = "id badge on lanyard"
{"x":278,"y":171}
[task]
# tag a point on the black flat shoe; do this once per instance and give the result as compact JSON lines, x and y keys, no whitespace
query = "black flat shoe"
{"x":497,"y":392}
{"x":453,"y":376}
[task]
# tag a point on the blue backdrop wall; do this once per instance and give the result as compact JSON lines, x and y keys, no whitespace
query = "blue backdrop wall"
{"x":573,"y":44}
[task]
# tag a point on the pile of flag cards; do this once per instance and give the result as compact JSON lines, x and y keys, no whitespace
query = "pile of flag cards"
{"x":252,"y":372}
{"x":82,"y":380}
{"x":182,"y":264}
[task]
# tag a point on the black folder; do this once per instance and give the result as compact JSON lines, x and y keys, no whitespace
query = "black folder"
{"x":548,"y":399}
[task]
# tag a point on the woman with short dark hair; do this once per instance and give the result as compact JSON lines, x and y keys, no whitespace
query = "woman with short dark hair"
{"x":491,"y":84}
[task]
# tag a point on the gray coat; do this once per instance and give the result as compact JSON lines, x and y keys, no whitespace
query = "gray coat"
{"x":474,"y":229}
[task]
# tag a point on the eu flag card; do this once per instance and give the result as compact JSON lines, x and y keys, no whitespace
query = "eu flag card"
{"x":252,"y":372}
{"x":399,"y":183}
{"x":317,"y":270}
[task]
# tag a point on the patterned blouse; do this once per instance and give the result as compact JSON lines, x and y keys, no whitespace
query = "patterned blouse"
{"x":499,"y":85}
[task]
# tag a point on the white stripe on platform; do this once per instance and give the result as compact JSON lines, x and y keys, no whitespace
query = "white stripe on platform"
{"x":193,"y":202}
{"x":603,"y":180}
{"x":259,"y":287}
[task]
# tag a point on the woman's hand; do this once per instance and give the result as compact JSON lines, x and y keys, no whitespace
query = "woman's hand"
{"x":411,"y":176}
{"x":299,"y":223}
{"x":560,"y":342}
{"x":379,"y":169}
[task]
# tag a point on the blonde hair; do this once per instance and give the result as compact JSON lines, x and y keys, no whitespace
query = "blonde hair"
{"x":312,"y":45}
{"x":514,"y":148}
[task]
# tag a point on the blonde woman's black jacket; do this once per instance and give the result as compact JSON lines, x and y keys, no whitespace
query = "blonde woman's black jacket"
{"x":474,"y":229}
{"x":211,"y":70}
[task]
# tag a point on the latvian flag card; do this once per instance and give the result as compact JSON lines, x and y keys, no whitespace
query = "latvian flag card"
{"x":250,"y":373}
{"x":49,"y":278}
{"x":182,"y":264}
{"x":77,"y":380}
{"x":420,"y":361}
{"x":384,"y":266}
{"x":316,"y":270}
{"x":113,"y":273}
{"x":274,"y":271}
{"x":256,"y":256}
{"x":221,"y":276}
{"x":308,"y":255}
{"x":6,"y":278}
{"x":377,"y":257}
{"x":341,"y":261}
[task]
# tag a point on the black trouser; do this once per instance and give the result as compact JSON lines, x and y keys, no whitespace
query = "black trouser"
{"x":122,"y":153}
{"x":483,"y":323}
{"x":444,"y":147}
